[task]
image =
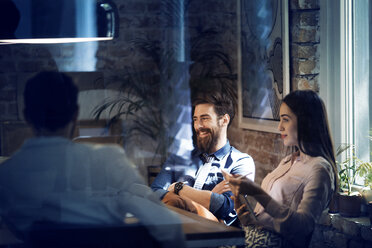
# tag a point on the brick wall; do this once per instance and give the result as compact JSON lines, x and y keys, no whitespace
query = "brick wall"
{"x":305,"y":40}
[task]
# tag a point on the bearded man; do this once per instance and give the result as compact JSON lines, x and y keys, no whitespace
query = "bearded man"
{"x":198,"y":185}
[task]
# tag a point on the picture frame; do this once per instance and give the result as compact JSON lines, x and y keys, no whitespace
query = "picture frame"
{"x":263,"y":62}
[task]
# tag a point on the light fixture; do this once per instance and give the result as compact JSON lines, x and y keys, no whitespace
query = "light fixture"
{"x":57,"y":21}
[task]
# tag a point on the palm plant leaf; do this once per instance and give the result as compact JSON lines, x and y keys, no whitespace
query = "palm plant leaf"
{"x":343,"y":147}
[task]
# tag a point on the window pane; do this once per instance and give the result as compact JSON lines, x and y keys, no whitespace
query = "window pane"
{"x":361,"y":79}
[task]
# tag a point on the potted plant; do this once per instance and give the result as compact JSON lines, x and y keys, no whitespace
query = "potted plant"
{"x":367,"y":190}
{"x":368,"y":180}
{"x":349,"y":199}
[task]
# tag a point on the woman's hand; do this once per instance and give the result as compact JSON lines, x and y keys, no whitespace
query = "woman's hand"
{"x":242,"y":211}
{"x":247,"y":187}
{"x":222,"y":187}
{"x":244,"y":186}
{"x":241,"y":185}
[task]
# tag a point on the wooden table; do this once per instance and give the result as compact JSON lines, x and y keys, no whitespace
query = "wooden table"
{"x":201,"y":232}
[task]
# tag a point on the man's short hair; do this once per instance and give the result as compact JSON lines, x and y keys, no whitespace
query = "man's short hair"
{"x":220,"y":95}
{"x":50,"y":100}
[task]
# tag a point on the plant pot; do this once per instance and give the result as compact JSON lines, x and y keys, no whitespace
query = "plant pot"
{"x":349,"y":205}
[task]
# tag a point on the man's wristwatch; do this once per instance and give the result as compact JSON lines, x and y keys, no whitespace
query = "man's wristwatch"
{"x":177,"y":187}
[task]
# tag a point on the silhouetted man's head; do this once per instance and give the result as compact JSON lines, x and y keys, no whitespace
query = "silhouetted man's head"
{"x":9,"y":19}
{"x":50,"y":101}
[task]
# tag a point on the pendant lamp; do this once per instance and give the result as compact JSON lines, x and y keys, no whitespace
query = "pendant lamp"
{"x":57,"y":21}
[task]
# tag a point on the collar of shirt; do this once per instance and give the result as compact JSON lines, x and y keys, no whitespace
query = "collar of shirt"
{"x":45,"y":140}
{"x":221,"y":153}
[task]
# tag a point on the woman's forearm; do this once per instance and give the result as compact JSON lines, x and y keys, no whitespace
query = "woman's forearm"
{"x":263,"y":198}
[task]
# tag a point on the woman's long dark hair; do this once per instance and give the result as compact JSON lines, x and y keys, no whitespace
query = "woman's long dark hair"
{"x":313,"y":133}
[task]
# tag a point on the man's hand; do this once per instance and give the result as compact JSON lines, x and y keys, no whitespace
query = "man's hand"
{"x":203,"y":197}
{"x":171,"y":187}
{"x":222,"y":187}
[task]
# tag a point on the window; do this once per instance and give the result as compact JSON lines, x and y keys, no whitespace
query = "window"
{"x":344,"y":77}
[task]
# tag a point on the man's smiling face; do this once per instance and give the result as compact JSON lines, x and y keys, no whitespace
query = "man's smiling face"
{"x":207,"y":127}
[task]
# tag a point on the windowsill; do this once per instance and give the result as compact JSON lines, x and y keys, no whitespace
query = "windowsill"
{"x":359,"y":228}
{"x":362,"y":220}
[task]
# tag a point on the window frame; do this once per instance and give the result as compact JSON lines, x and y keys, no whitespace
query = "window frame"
{"x":339,"y":69}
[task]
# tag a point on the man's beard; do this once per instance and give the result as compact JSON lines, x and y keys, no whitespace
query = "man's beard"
{"x":207,"y":143}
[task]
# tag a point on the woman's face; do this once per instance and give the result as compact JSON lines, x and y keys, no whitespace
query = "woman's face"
{"x":288,"y":126}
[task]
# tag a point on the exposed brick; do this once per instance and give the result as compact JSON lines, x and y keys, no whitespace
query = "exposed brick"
{"x":278,"y":145}
{"x":304,"y":52}
{"x":305,"y":67}
{"x":308,"y":67}
{"x":303,"y":19}
{"x":305,"y":35}
{"x":306,"y":82}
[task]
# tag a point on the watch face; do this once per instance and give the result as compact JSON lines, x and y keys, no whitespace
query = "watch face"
{"x":178,"y":187}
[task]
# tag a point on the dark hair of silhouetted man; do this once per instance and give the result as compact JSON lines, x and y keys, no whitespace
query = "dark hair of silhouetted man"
{"x":50,"y":100}
{"x":9,"y":19}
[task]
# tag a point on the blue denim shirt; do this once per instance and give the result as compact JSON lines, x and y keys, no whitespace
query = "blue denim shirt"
{"x":178,"y":169}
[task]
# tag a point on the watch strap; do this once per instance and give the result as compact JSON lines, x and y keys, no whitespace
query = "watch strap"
{"x":177,"y":187}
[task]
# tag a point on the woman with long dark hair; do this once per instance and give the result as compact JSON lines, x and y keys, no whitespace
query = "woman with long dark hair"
{"x":293,"y":196}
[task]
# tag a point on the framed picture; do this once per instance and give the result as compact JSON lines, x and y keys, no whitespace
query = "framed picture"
{"x":263,"y":62}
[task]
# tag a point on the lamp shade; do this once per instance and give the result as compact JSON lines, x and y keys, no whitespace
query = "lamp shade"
{"x":57,"y":21}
